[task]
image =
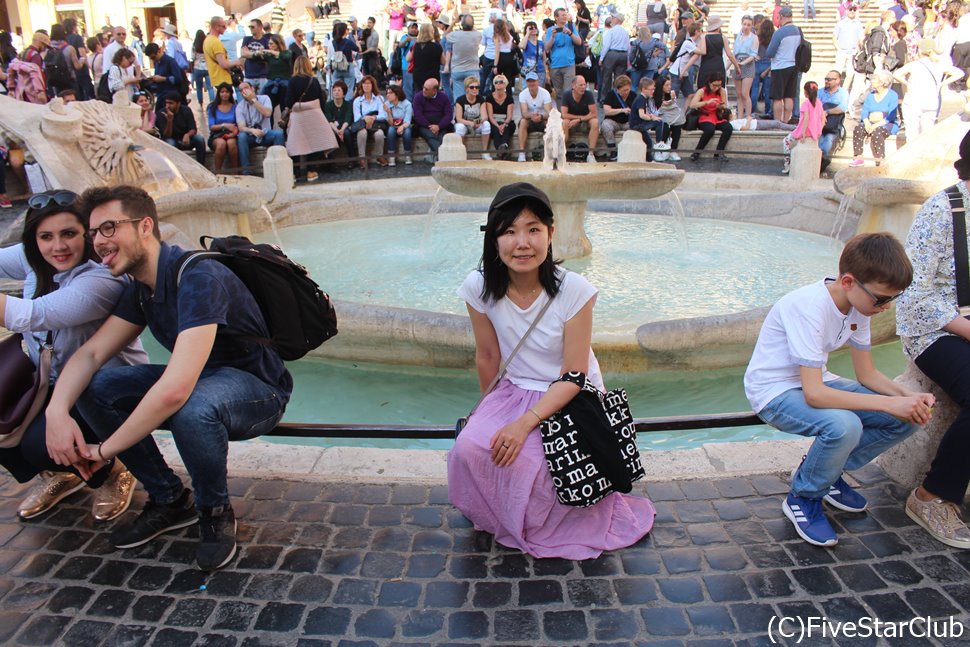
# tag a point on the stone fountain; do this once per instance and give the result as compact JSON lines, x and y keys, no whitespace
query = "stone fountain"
{"x":91,"y":143}
{"x":568,"y":186}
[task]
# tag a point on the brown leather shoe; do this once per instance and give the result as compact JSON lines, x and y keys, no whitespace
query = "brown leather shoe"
{"x":114,"y":495}
{"x":50,"y":488}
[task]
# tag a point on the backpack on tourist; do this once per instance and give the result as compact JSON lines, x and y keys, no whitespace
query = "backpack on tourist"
{"x":57,"y":68}
{"x":803,"y":54}
{"x":104,"y":93}
{"x":298,"y":314}
{"x":638,"y":59}
{"x":875,"y":44}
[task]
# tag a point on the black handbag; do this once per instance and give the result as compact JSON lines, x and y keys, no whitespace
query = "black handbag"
{"x":692,"y":119}
{"x":590,"y":445}
{"x":23,"y":388}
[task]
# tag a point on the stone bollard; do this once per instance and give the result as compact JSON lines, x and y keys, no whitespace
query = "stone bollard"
{"x":631,"y":148}
{"x":278,"y":168}
{"x":806,"y":162}
{"x":452,"y":149}
{"x":907,"y":462}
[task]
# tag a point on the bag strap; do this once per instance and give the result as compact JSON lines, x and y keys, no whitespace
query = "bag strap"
{"x":958,"y":210}
{"x":505,"y":364}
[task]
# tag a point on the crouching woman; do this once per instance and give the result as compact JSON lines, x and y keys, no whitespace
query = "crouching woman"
{"x":497,"y":473}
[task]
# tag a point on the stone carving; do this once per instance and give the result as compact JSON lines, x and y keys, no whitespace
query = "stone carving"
{"x":105,"y":139}
{"x":554,"y":142}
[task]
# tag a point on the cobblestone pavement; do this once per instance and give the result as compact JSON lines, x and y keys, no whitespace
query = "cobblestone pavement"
{"x":335,"y":564}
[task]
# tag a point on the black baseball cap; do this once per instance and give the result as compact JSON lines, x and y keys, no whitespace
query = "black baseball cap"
{"x":522,"y":190}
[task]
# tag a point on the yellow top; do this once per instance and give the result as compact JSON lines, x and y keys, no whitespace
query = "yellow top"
{"x":211,"y":48}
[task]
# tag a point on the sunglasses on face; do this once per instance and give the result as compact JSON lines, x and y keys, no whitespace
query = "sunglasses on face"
{"x":472,"y":87}
{"x":880,"y":301}
{"x":42,"y":200}
{"x":109,"y":227}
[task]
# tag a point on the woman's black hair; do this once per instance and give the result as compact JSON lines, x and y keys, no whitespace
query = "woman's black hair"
{"x":493,"y":269}
{"x":714,"y":78}
{"x":199,"y":41}
{"x":659,"y":96}
{"x":43,"y":270}
{"x":211,"y":109}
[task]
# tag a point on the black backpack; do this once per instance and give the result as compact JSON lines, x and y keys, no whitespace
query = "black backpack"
{"x":56,"y":68}
{"x":104,"y":92}
{"x":298,"y":313}
{"x":397,"y":61}
{"x":638,"y":60}
{"x":803,"y":55}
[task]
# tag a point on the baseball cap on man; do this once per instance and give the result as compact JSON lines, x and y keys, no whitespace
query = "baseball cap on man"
{"x":531,"y":76}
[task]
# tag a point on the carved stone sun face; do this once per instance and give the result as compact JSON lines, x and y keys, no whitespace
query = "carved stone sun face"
{"x":107,"y":144}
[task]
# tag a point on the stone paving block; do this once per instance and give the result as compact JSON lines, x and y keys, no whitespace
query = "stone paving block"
{"x":37,"y":565}
{"x":769,"y":484}
{"x":665,"y":622}
{"x":725,"y":558}
{"x":614,"y":624}
{"x":888,"y":606}
{"x":726,"y":588}
{"x":491,"y":594}
{"x":43,"y":630}
{"x":385,"y":515}
{"x":681,"y":590}
{"x":752,"y":617}
{"x":698,"y":490}
{"x":217,"y":640}
{"x":422,"y":623}
{"x":432,"y":540}
{"x":383,"y":565}
{"x":670,"y":536}
{"x":635,"y":562}
{"x":468,"y":624}
{"x":635,"y":590}
{"x":605,"y":564}
{"x":426,"y":565}
{"x":352,"y":538}
{"x":354,"y":591}
{"x":438,"y":495}
{"x":309,"y":511}
{"x":340,"y":563}
{"x":516,"y":624}
{"x":151,"y":608}
{"x":769,"y":584}
{"x":129,"y":636}
{"x":885,"y":544}
{"x":817,"y":580}
{"x":87,"y":633}
{"x":705,"y":534}
{"x":960,"y":593}
{"x":929,"y":602}
{"x":309,"y":588}
{"x":268,"y":586}
{"x":940,"y":568}
{"x":70,"y":598}
{"x":695,"y":511}
{"x":191,"y":612}
{"x":11,"y":623}
{"x":681,"y":560}
{"x":399,"y":594}
{"x":710,"y":620}
{"x":859,"y":577}
{"x":279,"y":616}
{"x":174,"y":638}
{"x":233,"y":615}
{"x":327,"y":621}
{"x":589,"y":592}
{"x":111,"y":603}
{"x":409,"y":494}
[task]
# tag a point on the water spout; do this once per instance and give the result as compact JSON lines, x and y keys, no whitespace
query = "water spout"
{"x":678,"y":212}
{"x":432,"y":213}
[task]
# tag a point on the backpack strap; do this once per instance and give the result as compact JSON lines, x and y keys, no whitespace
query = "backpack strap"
{"x":958,"y":210}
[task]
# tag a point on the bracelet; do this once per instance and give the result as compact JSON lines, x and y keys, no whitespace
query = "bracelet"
{"x":100,"y":455}
{"x":532,"y":411}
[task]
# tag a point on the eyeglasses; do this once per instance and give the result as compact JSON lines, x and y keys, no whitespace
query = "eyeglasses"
{"x":830,"y":78}
{"x":472,"y":87}
{"x":878,"y":302}
{"x":109,"y":227}
{"x":42,"y":200}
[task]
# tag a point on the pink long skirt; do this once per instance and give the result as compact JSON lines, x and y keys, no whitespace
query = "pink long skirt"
{"x":518,"y":505}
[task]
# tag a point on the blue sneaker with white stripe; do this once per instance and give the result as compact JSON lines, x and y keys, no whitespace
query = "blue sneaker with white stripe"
{"x":843,"y":497}
{"x":809,"y":520}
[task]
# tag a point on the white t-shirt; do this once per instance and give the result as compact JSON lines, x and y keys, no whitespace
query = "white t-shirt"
{"x":539,"y":361}
{"x":677,"y":67}
{"x":536,"y":103}
{"x":800,"y":330}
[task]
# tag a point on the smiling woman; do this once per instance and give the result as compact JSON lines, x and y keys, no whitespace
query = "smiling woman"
{"x":497,"y":475}
{"x":67,"y":294}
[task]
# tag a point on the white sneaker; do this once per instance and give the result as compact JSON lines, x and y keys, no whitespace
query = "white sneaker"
{"x":391,"y":161}
{"x":673,"y":157}
{"x":407,"y":160}
{"x":486,"y":157}
{"x":591,"y":158}
{"x":660,"y":157}
{"x":521,"y":157}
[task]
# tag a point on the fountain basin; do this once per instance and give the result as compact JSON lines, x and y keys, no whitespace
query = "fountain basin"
{"x":568,"y":189}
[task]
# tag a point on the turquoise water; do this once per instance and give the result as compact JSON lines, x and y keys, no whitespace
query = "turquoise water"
{"x":342,"y":392}
{"x":637,"y":263}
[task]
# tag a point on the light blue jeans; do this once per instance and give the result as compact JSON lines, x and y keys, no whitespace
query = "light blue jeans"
{"x":826,"y":142}
{"x":273,"y":137}
{"x":458,"y":83}
{"x":226,"y":404}
{"x":844,"y":440}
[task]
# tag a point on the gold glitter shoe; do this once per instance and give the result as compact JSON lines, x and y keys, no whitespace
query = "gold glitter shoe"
{"x":939,"y":518}
{"x":51,"y":488}
{"x":114,"y":495}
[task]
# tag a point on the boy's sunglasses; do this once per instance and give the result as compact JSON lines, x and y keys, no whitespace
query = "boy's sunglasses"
{"x":878,"y":302}
{"x":62,"y":198}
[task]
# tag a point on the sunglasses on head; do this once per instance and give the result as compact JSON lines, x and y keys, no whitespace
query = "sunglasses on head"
{"x":62,"y":198}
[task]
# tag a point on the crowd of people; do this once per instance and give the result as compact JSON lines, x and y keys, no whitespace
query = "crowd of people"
{"x":444,"y":73}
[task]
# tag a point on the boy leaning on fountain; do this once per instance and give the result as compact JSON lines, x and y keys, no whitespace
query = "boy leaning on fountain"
{"x":789,"y":387}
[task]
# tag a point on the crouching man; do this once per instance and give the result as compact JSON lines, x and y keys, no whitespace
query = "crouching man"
{"x":220,"y":384}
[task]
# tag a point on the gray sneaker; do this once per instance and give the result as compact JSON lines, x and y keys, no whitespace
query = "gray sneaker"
{"x":939,"y":518}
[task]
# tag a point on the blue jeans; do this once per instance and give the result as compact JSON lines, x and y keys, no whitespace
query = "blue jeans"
{"x":458,"y":83}
{"x":761,"y":87}
{"x":826,"y":142}
{"x":198,"y":77}
{"x":273,"y":137}
{"x":407,"y":83}
{"x":844,"y":440}
{"x":682,"y":85}
{"x":226,"y":404}
{"x":196,"y":143}
{"x":392,"y":140}
{"x":275,"y":89}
